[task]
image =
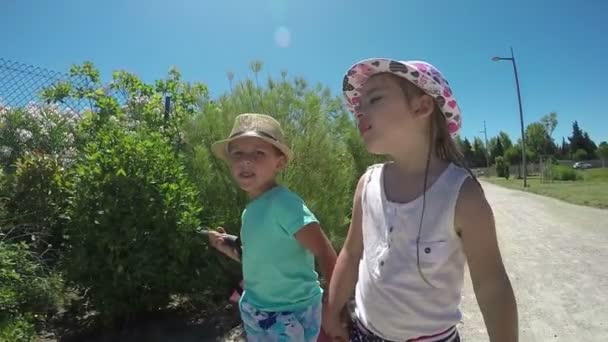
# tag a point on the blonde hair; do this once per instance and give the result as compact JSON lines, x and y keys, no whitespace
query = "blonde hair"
{"x":441,"y":144}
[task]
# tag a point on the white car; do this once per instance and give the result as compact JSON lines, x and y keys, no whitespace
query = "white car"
{"x":582,"y":165}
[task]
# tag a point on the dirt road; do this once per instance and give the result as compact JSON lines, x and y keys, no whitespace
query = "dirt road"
{"x":557,"y":258}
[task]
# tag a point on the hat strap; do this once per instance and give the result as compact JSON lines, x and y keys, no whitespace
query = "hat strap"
{"x":258,"y":132}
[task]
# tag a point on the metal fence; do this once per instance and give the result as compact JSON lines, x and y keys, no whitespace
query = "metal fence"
{"x":21,"y":85}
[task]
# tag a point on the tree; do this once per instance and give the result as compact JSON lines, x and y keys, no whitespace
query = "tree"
{"x":479,"y":153}
{"x":549,"y":121}
{"x":581,"y":140}
{"x":497,"y":149}
{"x":502,"y":169}
{"x":467,"y":152}
{"x":602,"y":152}
{"x":513,"y":155}
{"x":564,"y":151}
{"x":577,"y":140}
{"x":256,"y":67}
{"x":459,"y":143}
{"x":580,"y":155}
{"x":538,"y":140}
{"x":505,"y":140}
{"x":590,"y":146}
{"x":230,"y":76}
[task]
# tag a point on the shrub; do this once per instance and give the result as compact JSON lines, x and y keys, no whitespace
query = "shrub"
{"x":580,"y":155}
{"x":18,"y":329}
{"x":502,"y":168}
{"x":35,"y":204}
{"x":328,"y":157}
{"x":26,"y":289}
{"x":133,"y":214}
{"x":564,"y":173}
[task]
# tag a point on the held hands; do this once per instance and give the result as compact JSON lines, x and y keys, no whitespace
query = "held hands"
{"x":216,"y":239}
{"x":334,"y":326}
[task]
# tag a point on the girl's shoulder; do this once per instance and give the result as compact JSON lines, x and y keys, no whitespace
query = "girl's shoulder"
{"x":372,"y":169}
{"x":375,"y":166}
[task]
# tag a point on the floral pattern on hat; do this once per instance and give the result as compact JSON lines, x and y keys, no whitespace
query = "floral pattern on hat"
{"x":422,"y":74}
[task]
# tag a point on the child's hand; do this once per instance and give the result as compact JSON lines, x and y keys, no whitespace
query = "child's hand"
{"x":216,"y":239}
{"x":333,"y":326}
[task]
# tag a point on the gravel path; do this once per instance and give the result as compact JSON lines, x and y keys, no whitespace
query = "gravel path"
{"x":556,"y":255}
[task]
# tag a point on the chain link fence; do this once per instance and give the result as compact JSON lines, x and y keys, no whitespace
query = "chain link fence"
{"x":21,"y":86}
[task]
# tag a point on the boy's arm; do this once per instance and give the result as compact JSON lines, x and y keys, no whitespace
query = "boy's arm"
{"x":475,"y":222}
{"x":313,"y":238}
{"x":216,"y":238}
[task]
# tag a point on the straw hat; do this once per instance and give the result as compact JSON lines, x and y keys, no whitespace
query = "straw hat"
{"x":260,"y":126}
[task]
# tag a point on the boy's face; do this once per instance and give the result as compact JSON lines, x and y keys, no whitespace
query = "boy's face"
{"x":254,"y":164}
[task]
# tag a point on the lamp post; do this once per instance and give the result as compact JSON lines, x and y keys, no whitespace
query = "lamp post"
{"x":521,"y":113}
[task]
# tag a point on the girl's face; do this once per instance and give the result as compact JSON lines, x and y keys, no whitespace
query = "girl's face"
{"x":254,"y":164}
{"x":388,"y":122}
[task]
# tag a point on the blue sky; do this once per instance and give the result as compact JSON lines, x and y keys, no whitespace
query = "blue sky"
{"x":561,"y":46}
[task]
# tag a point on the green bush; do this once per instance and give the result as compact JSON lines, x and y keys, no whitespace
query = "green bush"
{"x":26,"y":288}
{"x":502,"y":168}
{"x":329,"y":156}
{"x":35,"y":202}
{"x":18,"y":329}
{"x":133,"y":214}
{"x":580,"y":155}
{"x":564,"y":173}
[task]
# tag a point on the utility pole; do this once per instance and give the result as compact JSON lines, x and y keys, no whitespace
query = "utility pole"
{"x":485,"y":134}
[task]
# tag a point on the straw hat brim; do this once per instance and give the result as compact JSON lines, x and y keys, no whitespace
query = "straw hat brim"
{"x":220,"y":148}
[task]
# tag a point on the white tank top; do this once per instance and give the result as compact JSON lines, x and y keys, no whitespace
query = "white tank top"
{"x":392,"y":300}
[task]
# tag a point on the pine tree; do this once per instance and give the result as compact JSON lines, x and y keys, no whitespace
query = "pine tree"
{"x":467,"y":152}
{"x":497,"y":150}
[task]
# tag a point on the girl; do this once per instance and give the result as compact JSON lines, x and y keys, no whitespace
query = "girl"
{"x":280,"y":237}
{"x":417,"y":219}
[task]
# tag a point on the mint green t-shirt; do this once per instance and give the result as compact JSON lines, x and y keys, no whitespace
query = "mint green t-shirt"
{"x":278,"y":272}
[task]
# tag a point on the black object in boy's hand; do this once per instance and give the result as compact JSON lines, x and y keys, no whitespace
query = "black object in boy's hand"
{"x":230,"y":240}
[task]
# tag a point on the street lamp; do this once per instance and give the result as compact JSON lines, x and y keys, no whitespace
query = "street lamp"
{"x":521,"y":113}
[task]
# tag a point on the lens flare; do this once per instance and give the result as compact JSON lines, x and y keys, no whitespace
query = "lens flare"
{"x":282,"y":37}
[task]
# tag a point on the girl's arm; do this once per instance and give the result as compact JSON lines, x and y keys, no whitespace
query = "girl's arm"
{"x":313,"y":238}
{"x":474,"y":221}
{"x":347,"y":266}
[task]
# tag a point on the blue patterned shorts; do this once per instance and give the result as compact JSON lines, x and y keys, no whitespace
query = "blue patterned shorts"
{"x":289,"y":326}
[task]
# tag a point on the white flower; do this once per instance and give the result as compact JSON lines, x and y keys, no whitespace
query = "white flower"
{"x":23,"y":135}
{"x":6,"y":151}
{"x":4,"y":109}
{"x":44,"y":131}
{"x":69,"y":138}
{"x":140,"y":99}
{"x":33,"y":111}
